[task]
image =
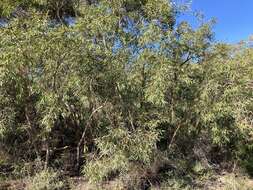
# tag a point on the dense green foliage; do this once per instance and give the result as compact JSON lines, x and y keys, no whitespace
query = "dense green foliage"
{"x":125,"y":90}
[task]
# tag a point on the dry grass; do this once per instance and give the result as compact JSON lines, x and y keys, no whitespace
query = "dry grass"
{"x":233,"y":182}
{"x":225,"y":181}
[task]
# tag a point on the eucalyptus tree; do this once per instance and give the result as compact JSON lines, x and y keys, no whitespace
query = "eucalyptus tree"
{"x":155,"y":92}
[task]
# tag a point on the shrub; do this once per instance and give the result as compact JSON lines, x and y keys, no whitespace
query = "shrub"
{"x":45,"y":180}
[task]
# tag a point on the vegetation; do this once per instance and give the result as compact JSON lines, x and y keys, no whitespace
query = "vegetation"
{"x":126,"y":93}
{"x":45,"y":180}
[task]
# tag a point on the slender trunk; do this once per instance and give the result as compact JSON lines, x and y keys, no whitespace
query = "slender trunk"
{"x":78,"y":148}
{"x":172,"y":109}
{"x":143,"y":86}
{"x":47,"y":156}
{"x":82,"y":140}
{"x":173,"y":137}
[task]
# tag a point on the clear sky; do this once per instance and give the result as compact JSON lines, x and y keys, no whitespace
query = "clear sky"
{"x":234,"y":18}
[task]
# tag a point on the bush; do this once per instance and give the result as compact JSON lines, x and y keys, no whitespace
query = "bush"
{"x":45,"y":180}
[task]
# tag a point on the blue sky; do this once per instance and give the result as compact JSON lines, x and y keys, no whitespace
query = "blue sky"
{"x":234,"y":18}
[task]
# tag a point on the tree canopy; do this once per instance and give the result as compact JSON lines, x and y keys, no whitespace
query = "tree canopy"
{"x":124,"y":88}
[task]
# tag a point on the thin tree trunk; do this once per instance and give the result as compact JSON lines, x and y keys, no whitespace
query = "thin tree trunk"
{"x":173,"y":137}
{"x":47,"y":157}
{"x":78,"y":148}
{"x":82,"y":140}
